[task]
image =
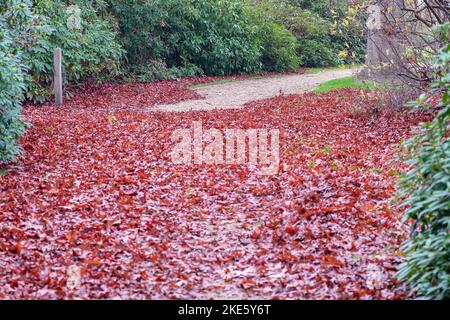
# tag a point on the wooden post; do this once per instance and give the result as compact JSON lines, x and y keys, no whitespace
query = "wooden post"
{"x":58,"y":80}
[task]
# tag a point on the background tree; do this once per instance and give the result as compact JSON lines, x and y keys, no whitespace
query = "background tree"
{"x":404,"y":43}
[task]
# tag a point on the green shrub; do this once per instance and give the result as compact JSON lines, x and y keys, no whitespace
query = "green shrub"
{"x":320,"y":29}
{"x":158,"y":70}
{"x":150,"y":30}
{"x":154,"y":70}
{"x":348,"y":33}
{"x":279,"y":49}
{"x":223,"y":38}
{"x":322,"y":8}
{"x":90,"y":48}
{"x":316,"y":54}
{"x":12,"y":77}
{"x":29,"y":32}
{"x":218,"y":37}
{"x":426,"y":190}
{"x":312,"y":33}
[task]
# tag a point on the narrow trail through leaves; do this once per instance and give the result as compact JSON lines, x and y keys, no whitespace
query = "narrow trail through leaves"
{"x":96,"y":209}
{"x":235,"y":94}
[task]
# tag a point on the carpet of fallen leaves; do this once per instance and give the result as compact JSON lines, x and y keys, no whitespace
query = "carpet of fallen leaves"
{"x":96,"y":209}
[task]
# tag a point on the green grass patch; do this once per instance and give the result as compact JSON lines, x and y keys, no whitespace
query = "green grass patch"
{"x":345,"y":83}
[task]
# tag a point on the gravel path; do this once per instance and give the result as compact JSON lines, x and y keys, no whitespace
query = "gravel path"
{"x":236,"y":94}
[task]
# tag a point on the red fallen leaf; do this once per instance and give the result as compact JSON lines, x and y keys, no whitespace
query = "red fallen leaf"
{"x":287,"y":256}
{"x":255,"y":234}
{"x":194,"y":200}
{"x":386,"y":214}
{"x":290,"y":230}
{"x":248,"y":283}
{"x":125,"y":201}
{"x":144,"y":275}
{"x":143,"y":175}
{"x":35,"y":271}
{"x":154,"y":257}
{"x":17,"y":248}
{"x":94,"y":261}
{"x":53,"y":191}
{"x":387,"y":224}
{"x":111,"y":282}
{"x":307,"y":215}
{"x":13,"y":283}
{"x":274,"y":222}
{"x":258,"y":192}
{"x":118,"y":273}
{"x":332,"y":261}
{"x":60,"y":292}
{"x":164,"y":245}
{"x":71,"y":235}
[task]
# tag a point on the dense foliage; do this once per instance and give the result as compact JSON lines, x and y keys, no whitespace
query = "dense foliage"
{"x":279,"y":49}
{"x":426,"y":189}
{"x":201,"y":36}
{"x":89,"y":45}
{"x":12,"y":77}
{"x":327,"y":33}
{"x":88,"y":42}
{"x":30,"y":31}
{"x":168,"y":38}
{"x":279,"y":45}
{"x":221,"y":39}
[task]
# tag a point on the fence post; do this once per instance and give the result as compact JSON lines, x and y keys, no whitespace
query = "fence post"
{"x":58,"y":80}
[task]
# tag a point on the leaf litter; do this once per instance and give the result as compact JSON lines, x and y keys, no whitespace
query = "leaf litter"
{"x":95,"y":209}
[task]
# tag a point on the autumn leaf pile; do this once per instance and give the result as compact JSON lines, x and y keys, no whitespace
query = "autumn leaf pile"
{"x":96,"y":208}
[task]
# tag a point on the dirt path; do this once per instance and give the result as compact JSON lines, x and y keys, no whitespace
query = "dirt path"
{"x":236,"y":94}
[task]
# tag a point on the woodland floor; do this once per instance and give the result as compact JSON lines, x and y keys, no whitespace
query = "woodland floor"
{"x":96,"y":208}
